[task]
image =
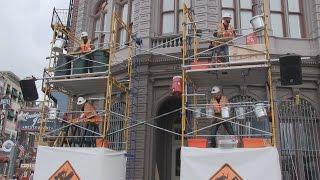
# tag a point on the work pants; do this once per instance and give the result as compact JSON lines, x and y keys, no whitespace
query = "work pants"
{"x":226,"y":125}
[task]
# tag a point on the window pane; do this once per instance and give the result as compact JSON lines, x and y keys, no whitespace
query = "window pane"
{"x":294,"y":26}
{"x":97,"y":28}
{"x":232,"y":15}
{"x":293,"y":5}
{"x":227,"y":3}
{"x":275,"y":5}
{"x":132,"y":11}
{"x":245,"y":21}
{"x":106,"y":22}
{"x":180,"y":20}
{"x":122,"y":37}
{"x":246,"y":4}
{"x":276,"y":24}
{"x":167,"y":23}
{"x":125,"y":13}
{"x":183,"y":1}
{"x":168,"y":5}
{"x":132,"y":15}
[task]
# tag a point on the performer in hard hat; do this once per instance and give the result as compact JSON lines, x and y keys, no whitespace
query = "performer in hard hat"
{"x":219,"y":100}
{"x":225,"y":33}
{"x":85,"y":48}
{"x":91,"y":119}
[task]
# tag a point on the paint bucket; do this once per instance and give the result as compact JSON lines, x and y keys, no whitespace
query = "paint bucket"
{"x":257,"y":22}
{"x":240,"y":113}
{"x":209,"y":111}
{"x":260,"y":110}
{"x":176,"y":87}
{"x":225,"y":112}
{"x":59,"y":45}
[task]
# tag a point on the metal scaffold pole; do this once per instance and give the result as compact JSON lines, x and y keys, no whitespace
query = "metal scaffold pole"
{"x":184,"y":83}
{"x":270,"y":83}
{"x":46,"y":88}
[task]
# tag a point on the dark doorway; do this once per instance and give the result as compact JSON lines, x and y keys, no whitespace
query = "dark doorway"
{"x":167,"y":146}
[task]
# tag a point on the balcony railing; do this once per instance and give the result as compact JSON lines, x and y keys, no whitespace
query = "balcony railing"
{"x":62,"y":17}
{"x":166,"y":41}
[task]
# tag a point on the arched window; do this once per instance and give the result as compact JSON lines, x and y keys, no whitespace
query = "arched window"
{"x":299,"y":138}
{"x":116,"y":141}
{"x":100,"y":24}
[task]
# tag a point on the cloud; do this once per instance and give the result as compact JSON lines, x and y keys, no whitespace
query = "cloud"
{"x":25,"y":36}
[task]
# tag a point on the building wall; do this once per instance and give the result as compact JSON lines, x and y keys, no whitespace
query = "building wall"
{"x":12,"y":82}
{"x":158,"y":70}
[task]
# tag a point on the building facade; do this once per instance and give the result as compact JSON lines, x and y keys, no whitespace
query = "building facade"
{"x":294,"y":28}
{"x":11,"y":91}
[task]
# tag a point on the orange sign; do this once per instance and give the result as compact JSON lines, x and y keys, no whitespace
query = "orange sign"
{"x":65,"y":172}
{"x":226,"y":173}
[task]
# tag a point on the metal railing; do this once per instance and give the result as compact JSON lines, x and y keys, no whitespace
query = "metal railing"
{"x":166,"y":41}
{"x":299,"y":137}
{"x":61,"y":16}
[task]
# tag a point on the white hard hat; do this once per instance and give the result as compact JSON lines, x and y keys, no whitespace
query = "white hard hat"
{"x":226,"y":15}
{"x":84,"y":34}
{"x":215,"y":90}
{"x":81,"y":100}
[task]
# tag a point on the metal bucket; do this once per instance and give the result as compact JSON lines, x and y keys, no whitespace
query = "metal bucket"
{"x":225,"y":112}
{"x":227,"y":142}
{"x":59,"y":45}
{"x":52,"y":113}
{"x":197,"y":113}
{"x":209,"y":111}
{"x":240,"y":112}
{"x":257,"y":22}
{"x":260,"y":110}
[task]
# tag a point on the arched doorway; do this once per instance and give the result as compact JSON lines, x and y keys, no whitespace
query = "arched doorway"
{"x":167,"y":146}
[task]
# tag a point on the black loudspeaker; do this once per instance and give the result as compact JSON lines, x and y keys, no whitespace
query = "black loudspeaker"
{"x":290,"y":70}
{"x":29,"y":89}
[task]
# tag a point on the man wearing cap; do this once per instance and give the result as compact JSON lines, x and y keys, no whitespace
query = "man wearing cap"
{"x":92,"y":119}
{"x":225,"y":33}
{"x":219,"y":100}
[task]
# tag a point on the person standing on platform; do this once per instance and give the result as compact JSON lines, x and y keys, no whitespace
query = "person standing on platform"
{"x":91,"y":119}
{"x":225,"y":33}
{"x":219,"y":101}
{"x":85,"y":48}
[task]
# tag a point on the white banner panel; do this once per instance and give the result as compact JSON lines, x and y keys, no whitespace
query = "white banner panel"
{"x":238,"y":163}
{"x":81,"y":163}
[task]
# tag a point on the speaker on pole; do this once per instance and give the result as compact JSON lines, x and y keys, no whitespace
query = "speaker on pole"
{"x":290,"y":69}
{"x":29,"y":89}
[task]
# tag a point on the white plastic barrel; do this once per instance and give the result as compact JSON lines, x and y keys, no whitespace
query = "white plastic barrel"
{"x":260,"y":110}
{"x":257,"y":22}
{"x":240,"y":112}
{"x":58,"y":45}
{"x":225,"y":112}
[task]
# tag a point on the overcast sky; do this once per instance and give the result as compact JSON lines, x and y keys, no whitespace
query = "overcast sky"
{"x":25,"y":35}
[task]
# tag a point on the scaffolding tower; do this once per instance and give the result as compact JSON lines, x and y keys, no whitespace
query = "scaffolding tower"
{"x":197,"y":73}
{"x":67,"y":73}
